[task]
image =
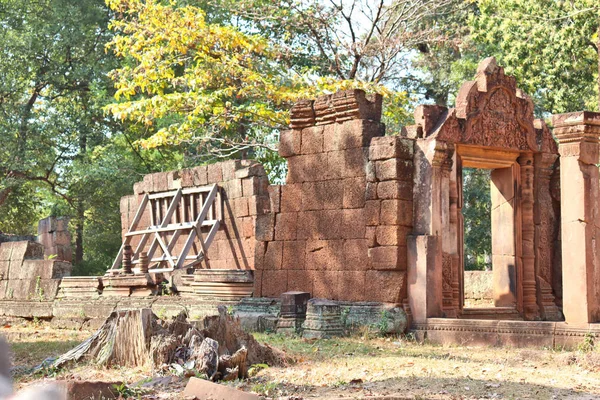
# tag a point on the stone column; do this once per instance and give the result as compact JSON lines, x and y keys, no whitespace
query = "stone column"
{"x":546,"y":231}
{"x":445,"y":161}
{"x":578,"y":135}
{"x":530,"y":306}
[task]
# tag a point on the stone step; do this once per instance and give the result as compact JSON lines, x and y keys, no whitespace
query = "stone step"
{"x":493,"y":313}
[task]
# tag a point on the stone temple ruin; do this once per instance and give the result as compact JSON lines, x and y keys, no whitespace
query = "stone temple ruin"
{"x":371,"y":222}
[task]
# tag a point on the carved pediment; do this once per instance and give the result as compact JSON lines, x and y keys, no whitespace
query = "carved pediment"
{"x":490,"y":112}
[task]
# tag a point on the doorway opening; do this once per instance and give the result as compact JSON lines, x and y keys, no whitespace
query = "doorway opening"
{"x":476,"y":210}
{"x":490,"y":251}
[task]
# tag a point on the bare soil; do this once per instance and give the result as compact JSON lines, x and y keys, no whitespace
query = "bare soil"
{"x":355,"y":367}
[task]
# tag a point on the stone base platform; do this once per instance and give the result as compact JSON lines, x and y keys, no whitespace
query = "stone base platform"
{"x":218,"y":284}
{"x":472,"y":332}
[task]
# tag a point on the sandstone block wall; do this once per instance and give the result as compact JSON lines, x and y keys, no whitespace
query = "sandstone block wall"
{"x":25,"y":275}
{"x":479,"y":285}
{"x":53,"y":234}
{"x":338,"y":228}
{"x":244,"y":196}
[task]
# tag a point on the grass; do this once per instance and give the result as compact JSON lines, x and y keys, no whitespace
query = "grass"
{"x":361,"y":366}
{"x":389,"y":366}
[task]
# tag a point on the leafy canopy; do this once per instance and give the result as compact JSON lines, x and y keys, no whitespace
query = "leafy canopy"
{"x":184,"y":74}
{"x":550,"y":46}
{"x":187,"y":79}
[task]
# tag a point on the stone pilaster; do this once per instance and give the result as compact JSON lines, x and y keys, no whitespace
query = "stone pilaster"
{"x":578,"y":136}
{"x":546,"y":232}
{"x":530,"y":306}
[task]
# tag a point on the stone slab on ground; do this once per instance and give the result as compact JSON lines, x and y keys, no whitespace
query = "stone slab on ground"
{"x":92,"y":390}
{"x":202,"y":389}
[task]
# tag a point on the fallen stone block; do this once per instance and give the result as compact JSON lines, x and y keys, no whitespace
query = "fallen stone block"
{"x":202,"y":389}
{"x":96,"y":390}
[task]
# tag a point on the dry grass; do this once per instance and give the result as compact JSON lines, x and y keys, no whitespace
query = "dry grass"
{"x":362,"y":366}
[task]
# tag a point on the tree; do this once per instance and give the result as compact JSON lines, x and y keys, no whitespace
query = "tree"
{"x":53,"y":130}
{"x":477,"y":217}
{"x":51,"y":59}
{"x":187,"y":74}
{"x":551,"y":47}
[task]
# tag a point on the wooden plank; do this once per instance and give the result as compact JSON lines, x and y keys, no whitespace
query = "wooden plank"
{"x":165,"y":221}
{"x":165,"y":250}
{"x":163,"y":258}
{"x":206,"y":244}
{"x":203,"y":212}
{"x":171,"y":227}
{"x":201,"y":189}
{"x":136,"y":219}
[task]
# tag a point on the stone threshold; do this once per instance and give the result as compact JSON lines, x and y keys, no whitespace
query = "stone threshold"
{"x":476,"y":332}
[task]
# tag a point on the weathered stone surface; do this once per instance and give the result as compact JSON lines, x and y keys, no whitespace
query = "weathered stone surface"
{"x":395,"y":190}
{"x":286,"y":226}
{"x":293,"y":312}
{"x":273,"y":259}
{"x":351,"y":134}
{"x":354,"y":192}
{"x":44,"y":269}
{"x":291,"y":197}
{"x":294,"y":254}
{"x":323,"y":320}
{"x":388,"y":147}
{"x":300,"y":280}
{"x":93,"y":390}
{"x":394,"y":169}
{"x":385,"y":286}
{"x":312,"y":140}
{"x":397,"y":212}
{"x":203,"y":389}
{"x":388,"y":257}
{"x":325,"y":255}
{"x":302,"y":114}
{"x":289,"y":143}
{"x":276,"y":285}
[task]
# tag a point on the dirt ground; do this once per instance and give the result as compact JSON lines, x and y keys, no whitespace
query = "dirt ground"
{"x":355,"y":367}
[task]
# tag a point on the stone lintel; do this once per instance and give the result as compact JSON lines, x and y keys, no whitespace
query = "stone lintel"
{"x":576,"y":118}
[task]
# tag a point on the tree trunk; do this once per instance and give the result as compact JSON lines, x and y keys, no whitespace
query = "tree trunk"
{"x":4,"y":195}
{"x":138,"y":338}
{"x":79,"y":221}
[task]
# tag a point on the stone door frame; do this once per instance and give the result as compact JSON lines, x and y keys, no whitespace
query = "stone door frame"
{"x":491,"y":159}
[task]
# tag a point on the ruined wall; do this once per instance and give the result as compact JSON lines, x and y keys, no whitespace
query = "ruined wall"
{"x":244,"y":195}
{"x":26,"y":275}
{"x":53,"y":234}
{"x":338,"y":228}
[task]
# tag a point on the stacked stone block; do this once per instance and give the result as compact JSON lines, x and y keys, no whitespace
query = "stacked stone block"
{"x":243,"y":187}
{"x":53,"y":234}
{"x":338,"y":228}
{"x":25,"y":275}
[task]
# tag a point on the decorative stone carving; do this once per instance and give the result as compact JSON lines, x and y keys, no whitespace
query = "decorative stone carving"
{"x":302,"y":114}
{"x":324,"y":111}
{"x":530,"y":307}
{"x":293,"y":312}
{"x":490,"y":112}
{"x":323,"y":320}
{"x":355,"y":104}
{"x":546,"y":235}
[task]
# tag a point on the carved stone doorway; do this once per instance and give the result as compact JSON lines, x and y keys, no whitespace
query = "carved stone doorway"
{"x":505,"y":224}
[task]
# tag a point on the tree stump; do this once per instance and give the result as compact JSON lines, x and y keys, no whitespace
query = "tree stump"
{"x":137,"y":338}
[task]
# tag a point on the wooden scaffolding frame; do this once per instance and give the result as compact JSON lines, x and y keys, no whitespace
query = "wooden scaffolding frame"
{"x":191,"y":222}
